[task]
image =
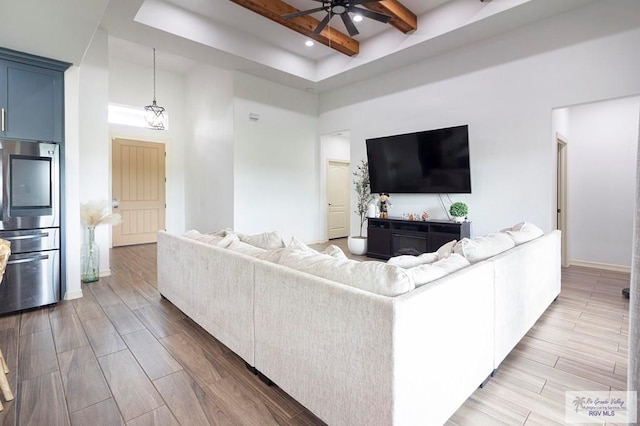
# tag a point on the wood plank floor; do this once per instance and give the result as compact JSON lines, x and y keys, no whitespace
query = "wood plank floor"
{"x":124,"y":355}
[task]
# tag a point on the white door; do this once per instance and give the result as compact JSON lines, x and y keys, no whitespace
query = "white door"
{"x":561,"y":219}
{"x":138,"y":188}
{"x":338,"y":198}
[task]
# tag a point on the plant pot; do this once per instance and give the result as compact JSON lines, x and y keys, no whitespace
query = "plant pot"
{"x":357,"y":245}
{"x":459,"y":219}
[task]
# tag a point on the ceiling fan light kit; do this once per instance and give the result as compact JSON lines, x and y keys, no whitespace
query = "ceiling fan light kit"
{"x":342,"y":8}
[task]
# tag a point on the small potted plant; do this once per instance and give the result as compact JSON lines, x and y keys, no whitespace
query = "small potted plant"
{"x":361,"y":184}
{"x":459,"y":211}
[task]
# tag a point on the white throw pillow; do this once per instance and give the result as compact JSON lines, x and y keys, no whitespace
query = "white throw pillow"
{"x":452,"y":263}
{"x":408,"y":261}
{"x":208,"y":238}
{"x":426,"y":273}
{"x":335,"y":251}
{"x":523,"y":232}
{"x":245,"y":248}
{"x":266,"y":240}
{"x":296,"y":244}
{"x":481,"y":248}
{"x":271,"y":255}
{"x":222,"y":233}
{"x":375,"y":277}
{"x":446,"y":249}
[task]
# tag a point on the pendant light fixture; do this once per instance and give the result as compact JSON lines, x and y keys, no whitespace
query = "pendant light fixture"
{"x":154,"y":114}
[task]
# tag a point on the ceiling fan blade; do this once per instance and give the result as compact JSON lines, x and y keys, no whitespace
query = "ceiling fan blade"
{"x":302,"y":13}
{"x":351,"y":28}
{"x":380,"y":17}
{"x":323,"y":23}
{"x":356,"y":2}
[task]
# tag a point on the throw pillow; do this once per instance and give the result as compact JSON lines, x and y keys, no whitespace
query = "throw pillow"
{"x":424,"y":274}
{"x":266,"y":240}
{"x":203,"y":238}
{"x":407,"y":261}
{"x":245,"y":248}
{"x":452,"y":263}
{"x":523,"y":232}
{"x":334,"y":251}
{"x":375,"y":277}
{"x":272,"y":256}
{"x":446,"y":249}
{"x":296,"y":244}
{"x":481,"y":248}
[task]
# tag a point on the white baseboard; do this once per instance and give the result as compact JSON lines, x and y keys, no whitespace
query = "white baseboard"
{"x":73,"y":295}
{"x":596,"y":265}
{"x":105,"y":273}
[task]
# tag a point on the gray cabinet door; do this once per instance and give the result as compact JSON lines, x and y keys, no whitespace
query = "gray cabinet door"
{"x":33,"y":102}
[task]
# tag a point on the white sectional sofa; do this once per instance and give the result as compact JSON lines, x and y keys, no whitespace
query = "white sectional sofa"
{"x":354,"y":357}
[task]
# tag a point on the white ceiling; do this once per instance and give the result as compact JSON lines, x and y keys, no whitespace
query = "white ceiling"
{"x":226,"y":35}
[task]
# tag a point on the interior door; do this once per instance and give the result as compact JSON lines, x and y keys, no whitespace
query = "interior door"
{"x":338,"y":198}
{"x":138,"y":189}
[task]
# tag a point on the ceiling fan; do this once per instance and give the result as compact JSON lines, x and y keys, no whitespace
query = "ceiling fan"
{"x":342,"y":8}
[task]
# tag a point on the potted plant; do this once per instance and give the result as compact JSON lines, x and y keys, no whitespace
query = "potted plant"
{"x":459,"y":211}
{"x":361,"y":184}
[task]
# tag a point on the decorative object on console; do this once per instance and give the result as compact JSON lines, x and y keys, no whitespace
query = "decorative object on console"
{"x":154,"y":113}
{"x":384,"y":206}
{"x":358,"y":245}
{"x":459,"y":211}
{"x":92,"y":214}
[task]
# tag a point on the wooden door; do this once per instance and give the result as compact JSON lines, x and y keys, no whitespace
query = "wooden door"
{"x":138,"y":187}
{"x":338,"y":198}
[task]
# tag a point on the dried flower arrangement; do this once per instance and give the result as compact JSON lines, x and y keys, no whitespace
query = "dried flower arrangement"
{"x":96,"y":212}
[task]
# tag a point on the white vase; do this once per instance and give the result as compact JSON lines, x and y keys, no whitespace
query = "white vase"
{"x":357,"y":245}
{"x":459,"y":219}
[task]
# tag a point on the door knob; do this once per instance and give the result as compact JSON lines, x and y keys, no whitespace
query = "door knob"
{"x":115,"y":203}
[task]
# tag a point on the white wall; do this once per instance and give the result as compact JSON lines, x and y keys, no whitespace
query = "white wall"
{"x":132,"y":84}
{"x":505,"y":89}
{"x":94,"y":135}
{"x":73,"y":233}
{"x":209,"y":171}
{"x":602,"y":154}
{"x":275,"y":160}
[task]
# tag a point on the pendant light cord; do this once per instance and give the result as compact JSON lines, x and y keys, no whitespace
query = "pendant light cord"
{"x":154,"y":75}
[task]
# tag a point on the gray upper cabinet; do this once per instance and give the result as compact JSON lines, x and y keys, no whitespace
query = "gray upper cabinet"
{"x":31,"y":98}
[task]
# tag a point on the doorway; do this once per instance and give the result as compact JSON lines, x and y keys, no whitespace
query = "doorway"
{"x":338,"y":199}
{"x":561,"y":193}
{"x":138,"y":189}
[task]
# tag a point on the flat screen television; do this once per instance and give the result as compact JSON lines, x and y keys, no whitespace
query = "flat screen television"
{"x":428,"y":162}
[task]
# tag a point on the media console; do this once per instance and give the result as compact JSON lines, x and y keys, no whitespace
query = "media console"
{"x":395,"y":237}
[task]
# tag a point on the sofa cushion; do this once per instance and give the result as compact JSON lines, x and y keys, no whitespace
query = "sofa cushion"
{"x":266,"y":240}
{"x":523,"y":232}
{"x":245,"y":248}
{"x":408,"y":261}
{"x":481,"y":248}
{"x":446,"y":249}
{"x":214,"y":240}
{"x":296,"y":244}
{"x":375,"y":277}
{"x":423,"y":274}
{"x":452,"y":263}
{"x":334,"y":251}
{"x":272,"y":256}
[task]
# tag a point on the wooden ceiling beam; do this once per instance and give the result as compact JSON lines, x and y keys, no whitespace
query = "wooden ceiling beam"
{"x":401,"y":17}
{"x":305,"y":25}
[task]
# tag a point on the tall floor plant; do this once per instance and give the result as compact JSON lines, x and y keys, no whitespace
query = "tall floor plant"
{"x":362,"y":186}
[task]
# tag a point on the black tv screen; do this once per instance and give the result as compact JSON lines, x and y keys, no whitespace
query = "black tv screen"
{"x":432,"y":162}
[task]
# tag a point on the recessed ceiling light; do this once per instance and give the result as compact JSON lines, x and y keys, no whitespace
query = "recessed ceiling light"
{"x":357,"y":18}
{"x":308,"y":43}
